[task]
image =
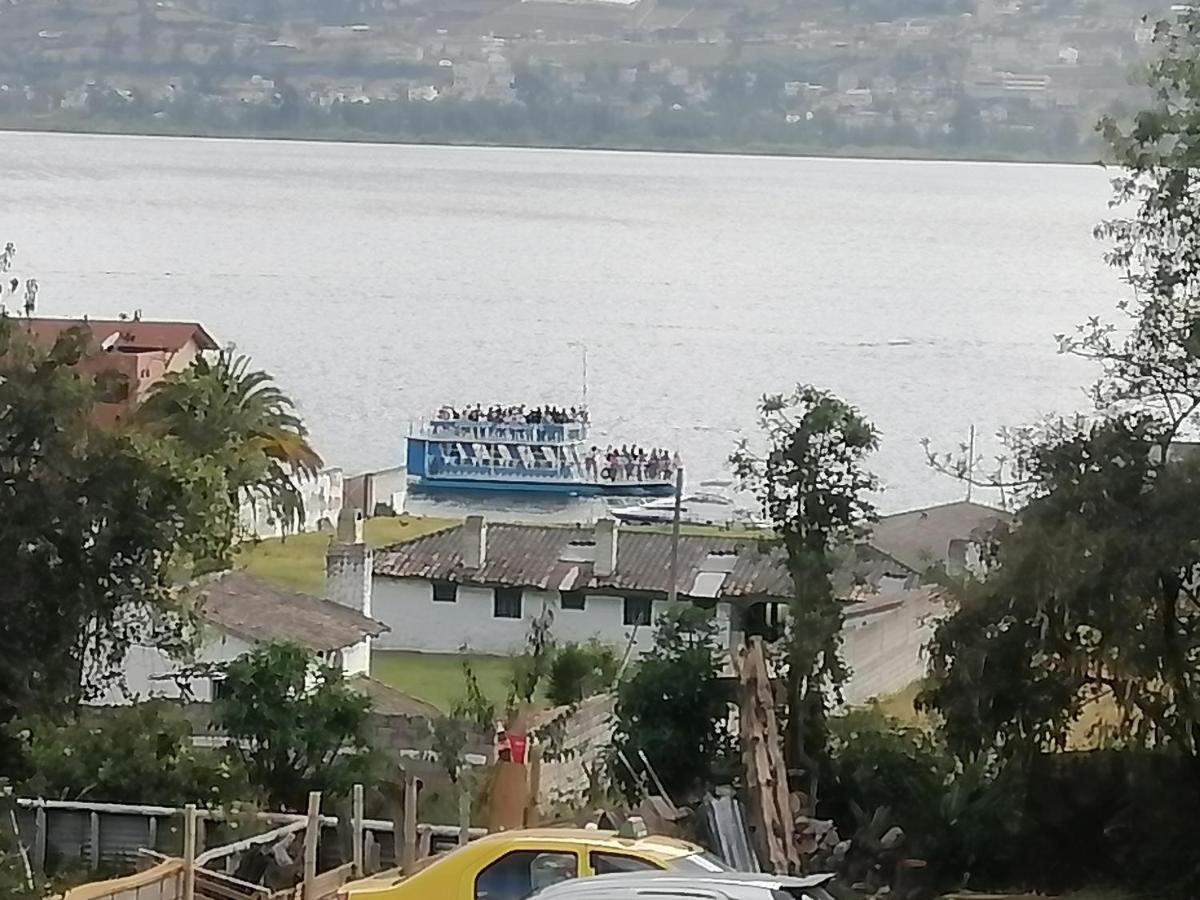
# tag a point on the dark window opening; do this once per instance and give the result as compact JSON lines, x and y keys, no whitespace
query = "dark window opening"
{"x":764,"y":620}
{"x":573,"y":599}
{"x":612,"y":863}
{"x":445,"y":592}
{"x":522,"y":873}
{"x":637,"y":611}
{"x":507,"y":604}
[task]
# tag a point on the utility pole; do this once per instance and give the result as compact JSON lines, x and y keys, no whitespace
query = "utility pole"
{"x":970,"y":463}
{"x":674,"y":570}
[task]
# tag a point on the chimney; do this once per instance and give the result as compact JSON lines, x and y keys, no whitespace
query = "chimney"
{"x":348,"y":564}
{"x":605,"y":564}
{"x":474,"y":546}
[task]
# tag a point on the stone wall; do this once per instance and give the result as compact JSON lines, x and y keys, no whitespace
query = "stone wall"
{"x":586,"y":740}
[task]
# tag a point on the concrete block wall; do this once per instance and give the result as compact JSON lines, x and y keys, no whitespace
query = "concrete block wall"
{"x":586,"y":741}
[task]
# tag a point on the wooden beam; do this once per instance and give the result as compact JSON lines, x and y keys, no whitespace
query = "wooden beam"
{"x":312,"y":835}
{"x":464,"y":814}
{"x":357,"y":810}
{"x":189,"y":852}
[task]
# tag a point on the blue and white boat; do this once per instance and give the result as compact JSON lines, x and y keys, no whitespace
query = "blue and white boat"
{"x":453,"y":451}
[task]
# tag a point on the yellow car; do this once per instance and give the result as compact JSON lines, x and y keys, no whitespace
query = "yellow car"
{"x":513,"y":865}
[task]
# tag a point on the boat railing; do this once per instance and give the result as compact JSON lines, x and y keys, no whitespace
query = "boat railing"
{"x":515,"y":468}
{"x":525,"y":433}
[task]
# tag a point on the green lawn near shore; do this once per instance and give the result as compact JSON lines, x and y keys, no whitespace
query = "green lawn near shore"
{"x":437,"y":678}
{"x":298,"y":561}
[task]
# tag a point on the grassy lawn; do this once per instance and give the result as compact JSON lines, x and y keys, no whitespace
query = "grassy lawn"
{"x":298,"y":561}
{"x":437,"y":678}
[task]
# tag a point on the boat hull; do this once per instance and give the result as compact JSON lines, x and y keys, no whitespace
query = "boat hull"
{"x":562,"y":488}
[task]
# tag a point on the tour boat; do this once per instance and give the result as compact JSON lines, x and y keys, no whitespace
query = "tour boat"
{"x":457,"y":452}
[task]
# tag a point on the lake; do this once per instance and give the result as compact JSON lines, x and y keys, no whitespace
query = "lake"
{"x":380,"y":281}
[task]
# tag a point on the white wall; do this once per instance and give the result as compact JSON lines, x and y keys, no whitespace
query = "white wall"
{"x":418,"y":622}
{"x":886,"y":651}
{"x":321,"y":496}
{"x":143,"y":665}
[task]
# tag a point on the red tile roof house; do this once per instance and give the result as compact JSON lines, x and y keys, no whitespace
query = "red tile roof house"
{"x":142,"y":351}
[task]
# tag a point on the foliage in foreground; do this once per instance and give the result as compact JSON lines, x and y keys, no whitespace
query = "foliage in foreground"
{"x":298,"y":726}
{"x":141,"y":753}
{"x":964,"y":820}
{"x":674,"y":709}
{"x":94,"y":522}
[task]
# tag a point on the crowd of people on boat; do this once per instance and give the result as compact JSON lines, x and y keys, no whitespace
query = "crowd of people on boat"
{"x":630,"y":463}
{"x":514,"y":415}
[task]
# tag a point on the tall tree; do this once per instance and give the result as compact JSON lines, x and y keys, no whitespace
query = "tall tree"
{"x":91,"y":523}
{"x":1096,"y":592}
{"x":223,"y":410}
{"x":813,"y":487}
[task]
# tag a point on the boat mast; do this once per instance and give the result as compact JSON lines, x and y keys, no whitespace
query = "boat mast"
{"x":583,"y":348}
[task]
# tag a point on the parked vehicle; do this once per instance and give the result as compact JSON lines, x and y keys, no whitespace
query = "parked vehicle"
{"x":680,"y":886}
{"x":513,"y":865}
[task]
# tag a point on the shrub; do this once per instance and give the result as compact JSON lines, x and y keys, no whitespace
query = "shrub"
{"x":580,"y":670}
{"x":134,"y":754}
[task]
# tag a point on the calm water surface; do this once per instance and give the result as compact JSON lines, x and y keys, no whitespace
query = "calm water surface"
{"x":377,"y":282}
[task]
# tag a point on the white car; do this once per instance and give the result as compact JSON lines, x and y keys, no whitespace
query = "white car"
{"x":679,"y":886}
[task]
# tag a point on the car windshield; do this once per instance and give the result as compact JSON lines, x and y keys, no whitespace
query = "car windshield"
{"x":698,"y":862}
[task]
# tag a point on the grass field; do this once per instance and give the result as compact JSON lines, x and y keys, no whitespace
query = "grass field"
{"x":298,"y":561}
{"x":437,"y":678}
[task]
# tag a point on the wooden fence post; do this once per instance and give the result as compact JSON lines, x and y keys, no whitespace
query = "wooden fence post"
{"x":94,"y":841}
{"x":39,"y":841}
{"x":356,"y":815}
{"x":464,"y":815}
{"x":410,"y":821}
{"x":189,"y":852}
{"x":312,"y":835}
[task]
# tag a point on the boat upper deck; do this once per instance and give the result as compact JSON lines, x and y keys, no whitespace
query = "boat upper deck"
{"x":508,"y":424}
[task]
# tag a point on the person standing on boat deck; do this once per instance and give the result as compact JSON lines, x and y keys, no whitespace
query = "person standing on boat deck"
{"x":589,"y":464}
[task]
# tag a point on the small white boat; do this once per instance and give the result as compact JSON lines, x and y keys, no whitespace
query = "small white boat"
{"x":695,"y":509}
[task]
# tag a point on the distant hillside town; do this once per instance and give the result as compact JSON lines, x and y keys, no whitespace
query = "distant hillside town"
{"x":1020,"y":78}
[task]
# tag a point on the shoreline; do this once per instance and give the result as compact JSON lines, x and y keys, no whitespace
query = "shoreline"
{"x":846,"y":152}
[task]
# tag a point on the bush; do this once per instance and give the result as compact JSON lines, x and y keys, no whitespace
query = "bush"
{"x":673,"y":707}
{"x":963,"y":819}
{"x":581,"y":670}
{"x":134,"y":754}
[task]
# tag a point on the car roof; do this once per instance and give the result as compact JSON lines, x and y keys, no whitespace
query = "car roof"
{"x":658,"y":846}
{"x":722,"y":884}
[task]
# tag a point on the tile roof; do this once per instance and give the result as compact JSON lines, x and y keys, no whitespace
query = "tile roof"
{"x":258,"y":610}
{"x":139,"y":335}
{"x":532,"y":556}
{"x":921,"y":538}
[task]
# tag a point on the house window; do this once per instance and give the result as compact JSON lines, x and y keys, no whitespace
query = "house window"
{"x":445,"y":592}
{"x":573,"y":599}
{"x":507,"y":603}
{"x":637,"y":611}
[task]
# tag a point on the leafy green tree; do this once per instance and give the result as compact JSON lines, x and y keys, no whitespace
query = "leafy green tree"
{"x":1095,"y":594}
{"x":223,"y":410}
{"x":813,"y":488}
{"x":296,"y":725}
{"x":94,"y":522}
{"x":141,"y":753}
{"x":673,"y":707}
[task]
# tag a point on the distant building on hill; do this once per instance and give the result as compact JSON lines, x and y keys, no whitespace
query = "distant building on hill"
{"x":144,"y":352}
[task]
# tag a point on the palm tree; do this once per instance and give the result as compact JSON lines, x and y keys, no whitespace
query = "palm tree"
{"x":222,"y":410}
